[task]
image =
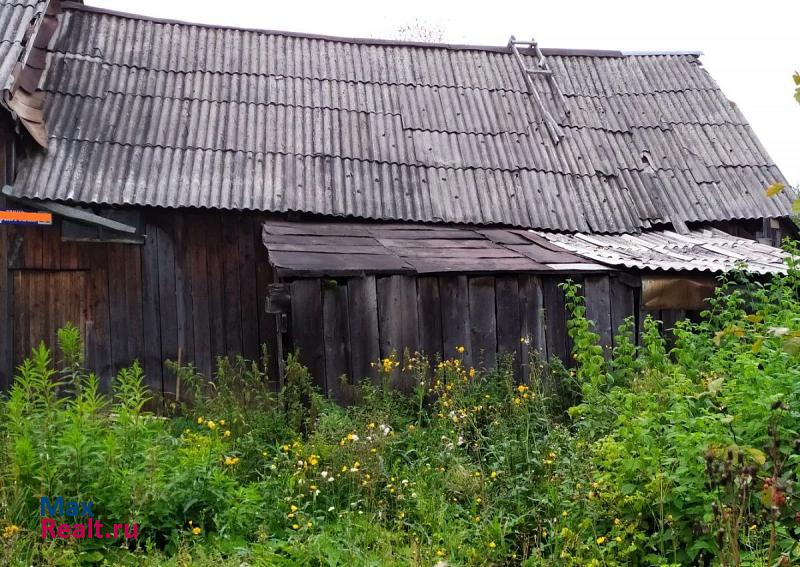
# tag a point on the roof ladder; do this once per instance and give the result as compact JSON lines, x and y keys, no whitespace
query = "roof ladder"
{"x":540,"y":69}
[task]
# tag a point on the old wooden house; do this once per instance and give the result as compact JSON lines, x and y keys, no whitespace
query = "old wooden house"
{"x":405,"y":195}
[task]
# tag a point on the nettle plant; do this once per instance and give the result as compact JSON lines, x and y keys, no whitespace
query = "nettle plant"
{"x":693,"y":452}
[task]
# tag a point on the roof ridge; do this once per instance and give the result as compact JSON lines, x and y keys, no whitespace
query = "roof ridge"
{"x":566,"y":52}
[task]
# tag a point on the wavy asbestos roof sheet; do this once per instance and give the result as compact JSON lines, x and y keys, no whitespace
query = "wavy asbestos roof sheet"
{"x":16,"y":17}
{"x":170,"y":114}
{"x":707,"y":250}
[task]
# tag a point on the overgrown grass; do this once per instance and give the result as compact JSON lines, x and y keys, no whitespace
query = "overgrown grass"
{"x":686,"y":457}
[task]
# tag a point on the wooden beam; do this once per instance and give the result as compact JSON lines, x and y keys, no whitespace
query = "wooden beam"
{"x":70,"y":212}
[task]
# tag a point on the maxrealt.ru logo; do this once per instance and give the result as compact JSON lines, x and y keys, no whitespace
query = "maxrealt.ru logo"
{"x":92,"y":528}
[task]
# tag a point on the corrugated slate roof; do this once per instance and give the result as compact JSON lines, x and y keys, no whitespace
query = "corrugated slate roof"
{"x":706,"y":250}
{"x":179,"y":115}
{"x":16,"y":17}
{"x":313,"y":249}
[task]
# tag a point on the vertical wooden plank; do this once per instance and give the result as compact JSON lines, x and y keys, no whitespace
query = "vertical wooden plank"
{"x":598,"y":309}
{"x":336,"y":333}
{"x":509,"y":325}
{"x":429,"y":313}
{"x":118,"y":306}
{"x":232,"y":314}
{"x":532,"y":321}
{"x":669,"y":317}
{"x":556,"y":320}
{"x":6,"y":324}
{"x":248,"y":284}
{"x":30,"y":255}
{"x":199,"y":284}
{"x":168,"y":300}
{"x":267,"y":323}
{"x":183,"y":291}
{"x":133,"y":292}
{"x":362,"y":298}
{"x":483,"y":321}
{"x":151,"y":312}
{"x":622,"y":303}
{"x":454,"y":295}
{"x":307,"y":332}
{"x":51,"y":253}
{"x":98,"y":340}
{"x":216,"y":288}
{"x":398,"y":323}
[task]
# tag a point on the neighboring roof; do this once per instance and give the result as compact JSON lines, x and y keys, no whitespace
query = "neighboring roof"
{"x":26,"y":27}
{"x":306,"y":249}
{"x":179,"y":115}
{"x":707,"y":250}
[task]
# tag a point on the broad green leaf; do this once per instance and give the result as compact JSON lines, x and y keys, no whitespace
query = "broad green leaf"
{"x":774,"y":189}
{"x":755,"y":317}
{"x":758,"y":456}
{"x":756,"y":348}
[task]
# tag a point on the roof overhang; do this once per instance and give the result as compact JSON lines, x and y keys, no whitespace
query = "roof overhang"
{"x":338,"y":249}
{"x":706,"y":250}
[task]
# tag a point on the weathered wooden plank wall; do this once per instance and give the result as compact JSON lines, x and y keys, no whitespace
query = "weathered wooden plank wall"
{"x":6,"y":175}
{"x":196,"y":287}
{"x":364,"y":319}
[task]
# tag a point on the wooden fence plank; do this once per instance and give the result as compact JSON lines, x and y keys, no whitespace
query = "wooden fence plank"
{"x":336,"y":332}
{"x":168,"y":301}
{"x":509,"y":325}
{"x":483,"y":321}
{"x":307,"y":333}
{"x":454,"y":294}
{"x":362,"y":297}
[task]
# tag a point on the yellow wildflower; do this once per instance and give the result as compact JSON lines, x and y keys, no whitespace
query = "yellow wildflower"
{"x":11,"y":530}
{"x":227,"y":433}
{"x":211,"y":425}
{"x":295,"y":526}
{"x":492,"y":545}
{"x":309,"y":524}
{"x":222,"y":422}
{"x":440,"y":552}
{"x":293,"y":508}
{"x":196,"y":530}
{"x":371,"y":425}
{"x":200,"y":420}
{"x":522,"y":388}
{"x":601,"y":540}
{"x":460,"y":349}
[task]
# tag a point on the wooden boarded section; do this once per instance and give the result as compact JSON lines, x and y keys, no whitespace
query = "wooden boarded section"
{"x":45,"y":301}
{"x":191,"y":288}
{"x":483,"y":321}
{"x":598,"y":309}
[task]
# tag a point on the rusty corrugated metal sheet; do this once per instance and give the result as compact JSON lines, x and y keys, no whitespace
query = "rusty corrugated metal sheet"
{"x":706,"y":250}
{"x":174,"y":115}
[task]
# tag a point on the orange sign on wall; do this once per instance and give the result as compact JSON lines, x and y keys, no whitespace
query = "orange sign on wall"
{"x":24,"y":217}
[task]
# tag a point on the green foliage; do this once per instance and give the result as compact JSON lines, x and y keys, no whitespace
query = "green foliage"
{"x":687,"y":456}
